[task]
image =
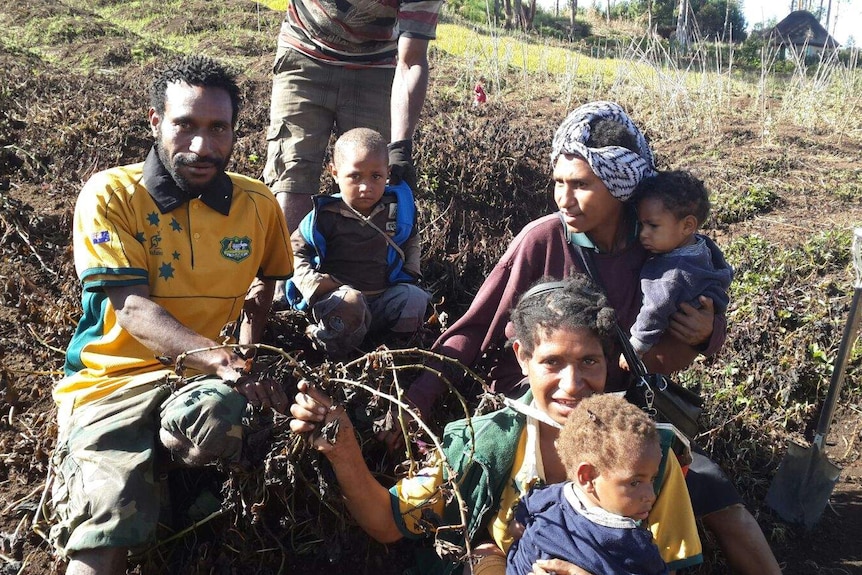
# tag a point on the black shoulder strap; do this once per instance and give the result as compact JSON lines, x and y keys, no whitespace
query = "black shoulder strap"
{"x":635,"y":363}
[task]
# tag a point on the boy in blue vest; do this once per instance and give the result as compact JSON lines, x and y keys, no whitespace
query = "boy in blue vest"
{"x":357,"y":253}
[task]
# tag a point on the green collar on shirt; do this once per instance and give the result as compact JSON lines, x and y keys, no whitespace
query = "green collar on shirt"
{"x":582,"y":240}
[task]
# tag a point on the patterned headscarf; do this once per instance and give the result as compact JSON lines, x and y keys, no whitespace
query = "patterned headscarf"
{"x":620,"y":169}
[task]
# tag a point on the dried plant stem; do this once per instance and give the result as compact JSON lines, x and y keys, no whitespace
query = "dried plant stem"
{"x":424,"y":367}
{"x":40,"y":508}
{"x":403,"y":424}
{"x":395,"y":400}
{"x":20,"y":500}
{"x":424,"y":353}
{"x":462,"y":506}
{"x":8,"y":559}
{"x":850,"y":443}
{"x":317,"y":492}
{"x":24,"y":236}
{"x":189,"y":529}
{"x":42,"y":341}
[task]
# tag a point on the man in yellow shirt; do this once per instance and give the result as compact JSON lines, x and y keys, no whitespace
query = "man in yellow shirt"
{"x":168,"y":251}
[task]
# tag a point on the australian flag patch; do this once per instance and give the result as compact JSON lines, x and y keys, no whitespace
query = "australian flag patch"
{"x":100,"y":237}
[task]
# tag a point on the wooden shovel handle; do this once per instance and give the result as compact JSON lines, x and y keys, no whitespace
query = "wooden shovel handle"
{"x":857,"y":256}
{"x":848,"y":338}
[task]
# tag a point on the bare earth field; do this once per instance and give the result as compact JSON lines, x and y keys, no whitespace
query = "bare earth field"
{"x":72,"y":102}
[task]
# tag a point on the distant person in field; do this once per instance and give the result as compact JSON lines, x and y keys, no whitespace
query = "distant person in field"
{"x":597,"y":519}
{"x":169,"y":251}
{"x":685,"y":265}
{"x":479,"y":95}
{"x":599,"y":156}
{"x":357,"y":253}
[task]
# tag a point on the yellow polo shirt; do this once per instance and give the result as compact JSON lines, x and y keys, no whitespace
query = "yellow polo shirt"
{"x":198,"y":256}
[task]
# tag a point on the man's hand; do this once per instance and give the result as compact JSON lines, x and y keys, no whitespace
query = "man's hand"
{"x":691,"y":325}
{"x":401,"y":163}
{"x":264,"y":393}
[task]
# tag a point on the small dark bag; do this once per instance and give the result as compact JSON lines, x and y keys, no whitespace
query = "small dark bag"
{"x":663,"y":399}
{"x":671,"y":402}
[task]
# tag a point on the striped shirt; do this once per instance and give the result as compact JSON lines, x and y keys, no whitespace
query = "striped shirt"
{"x":357,"y":33}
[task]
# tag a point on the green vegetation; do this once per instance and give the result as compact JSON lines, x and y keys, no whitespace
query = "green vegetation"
{"x":737,"y":207}
{"x":714,"y":18}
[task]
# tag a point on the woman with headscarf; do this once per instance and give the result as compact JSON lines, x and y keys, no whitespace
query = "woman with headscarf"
{"x":599,"y":156}
{"x":564,"y":332}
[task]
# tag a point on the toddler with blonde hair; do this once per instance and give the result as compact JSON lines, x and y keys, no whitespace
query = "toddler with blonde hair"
{"x":612,"y":453}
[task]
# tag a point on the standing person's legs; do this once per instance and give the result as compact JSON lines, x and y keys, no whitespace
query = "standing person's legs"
{"x":717,"y":503}
{"x":302,"y":117}
{"x":364,"y":100}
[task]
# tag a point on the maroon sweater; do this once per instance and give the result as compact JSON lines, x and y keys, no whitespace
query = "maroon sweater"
{"x":540,"y":249}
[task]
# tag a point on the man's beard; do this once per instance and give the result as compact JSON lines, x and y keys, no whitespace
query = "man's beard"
{"x":172,"y":166}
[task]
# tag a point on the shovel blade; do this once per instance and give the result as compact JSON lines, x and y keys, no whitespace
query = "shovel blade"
{"x":802,"y":485}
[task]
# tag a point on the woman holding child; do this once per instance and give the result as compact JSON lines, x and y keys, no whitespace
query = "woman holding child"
{"x":599,"y":157}
{"x":564,"y":334}
{"x":612,"y":453}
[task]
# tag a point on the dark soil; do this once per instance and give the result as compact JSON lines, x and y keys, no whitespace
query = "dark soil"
{"x":75,"y":104}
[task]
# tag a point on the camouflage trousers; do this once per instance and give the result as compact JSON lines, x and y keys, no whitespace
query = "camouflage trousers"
{"x":105,"y":492}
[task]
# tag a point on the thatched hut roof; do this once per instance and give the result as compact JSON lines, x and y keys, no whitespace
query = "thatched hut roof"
{"x":801,"y":28}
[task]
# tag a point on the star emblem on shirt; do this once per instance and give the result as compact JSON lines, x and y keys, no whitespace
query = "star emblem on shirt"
{"x":175,"y":225}
{"x":153,"y":218}
{"x":166,"y":271}
{"x":176,"y":255}
{"x":140,"y":237}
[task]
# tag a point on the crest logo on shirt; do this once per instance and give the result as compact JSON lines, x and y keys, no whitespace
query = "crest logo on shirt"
{"x":235,"y":248}
{"x":155,"y":240}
